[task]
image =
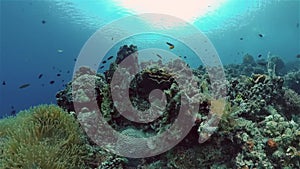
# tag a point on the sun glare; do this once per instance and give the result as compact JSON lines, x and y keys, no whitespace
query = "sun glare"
{"x":188,"y":10}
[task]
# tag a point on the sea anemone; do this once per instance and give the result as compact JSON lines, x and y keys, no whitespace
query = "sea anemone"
{"x":42,"y":137}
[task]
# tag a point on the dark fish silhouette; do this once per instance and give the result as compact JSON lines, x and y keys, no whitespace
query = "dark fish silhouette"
{"x":184,"y":57}
{"x":110,"y":57}
{"x":43,"y":21}
{"x":298,"y":56}
{"x":52,"y":82}
{"x":260,"y":35}
{"x":104,"y":62}
{"x":40,"y":76}
{"x":171,"y":46}
{"x":13,"y":112}
{"x":158,"y":56}
{"x":241,"y":38}
{"x":101,"y":67}
{"x":58,"y":74}
{"x":24,"y":86}
{"x":3,"y":83}
{"x":259,"y":55}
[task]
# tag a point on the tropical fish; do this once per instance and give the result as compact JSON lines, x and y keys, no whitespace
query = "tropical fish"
{"x":40,"y":76}
{"x":24,"y":86}
{"x":13,"y":112}
{"x":158,"y":56}
{"x":110,"y":57}
{"x":171,"y":46}
{"x":60,"y":51}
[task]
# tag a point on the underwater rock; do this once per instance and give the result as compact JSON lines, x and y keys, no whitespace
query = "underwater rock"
{"x":262,"y":62}
{"x":88,"y":87}
{"x":276,"y":63}
{"x":258,"y":71}
{"x":290,"y":105}
{"x":124,"y":52}
{"x":248,"y":60}
{"x":292,"y":81}
{"x":64,"y":98}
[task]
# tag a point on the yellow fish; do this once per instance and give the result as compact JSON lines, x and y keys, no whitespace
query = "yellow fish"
{"x":171,"y":46}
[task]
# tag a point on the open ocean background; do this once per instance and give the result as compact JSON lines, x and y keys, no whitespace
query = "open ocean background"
{"x":44,"y":38}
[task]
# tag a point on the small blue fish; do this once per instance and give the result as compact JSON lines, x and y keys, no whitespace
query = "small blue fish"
{"x":110,"y":57}
{"x":24,"y":86}
{"x":158,"y":56}
{"x":40,"y":76}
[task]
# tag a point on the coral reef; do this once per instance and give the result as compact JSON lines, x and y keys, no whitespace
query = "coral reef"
{"x":258,"y":128}
{"x":276,"y":63}
{"x":248,"y":60}
{"x":292,"y":81}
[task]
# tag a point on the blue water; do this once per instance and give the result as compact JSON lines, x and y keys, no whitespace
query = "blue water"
{"x":30,"y":47}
